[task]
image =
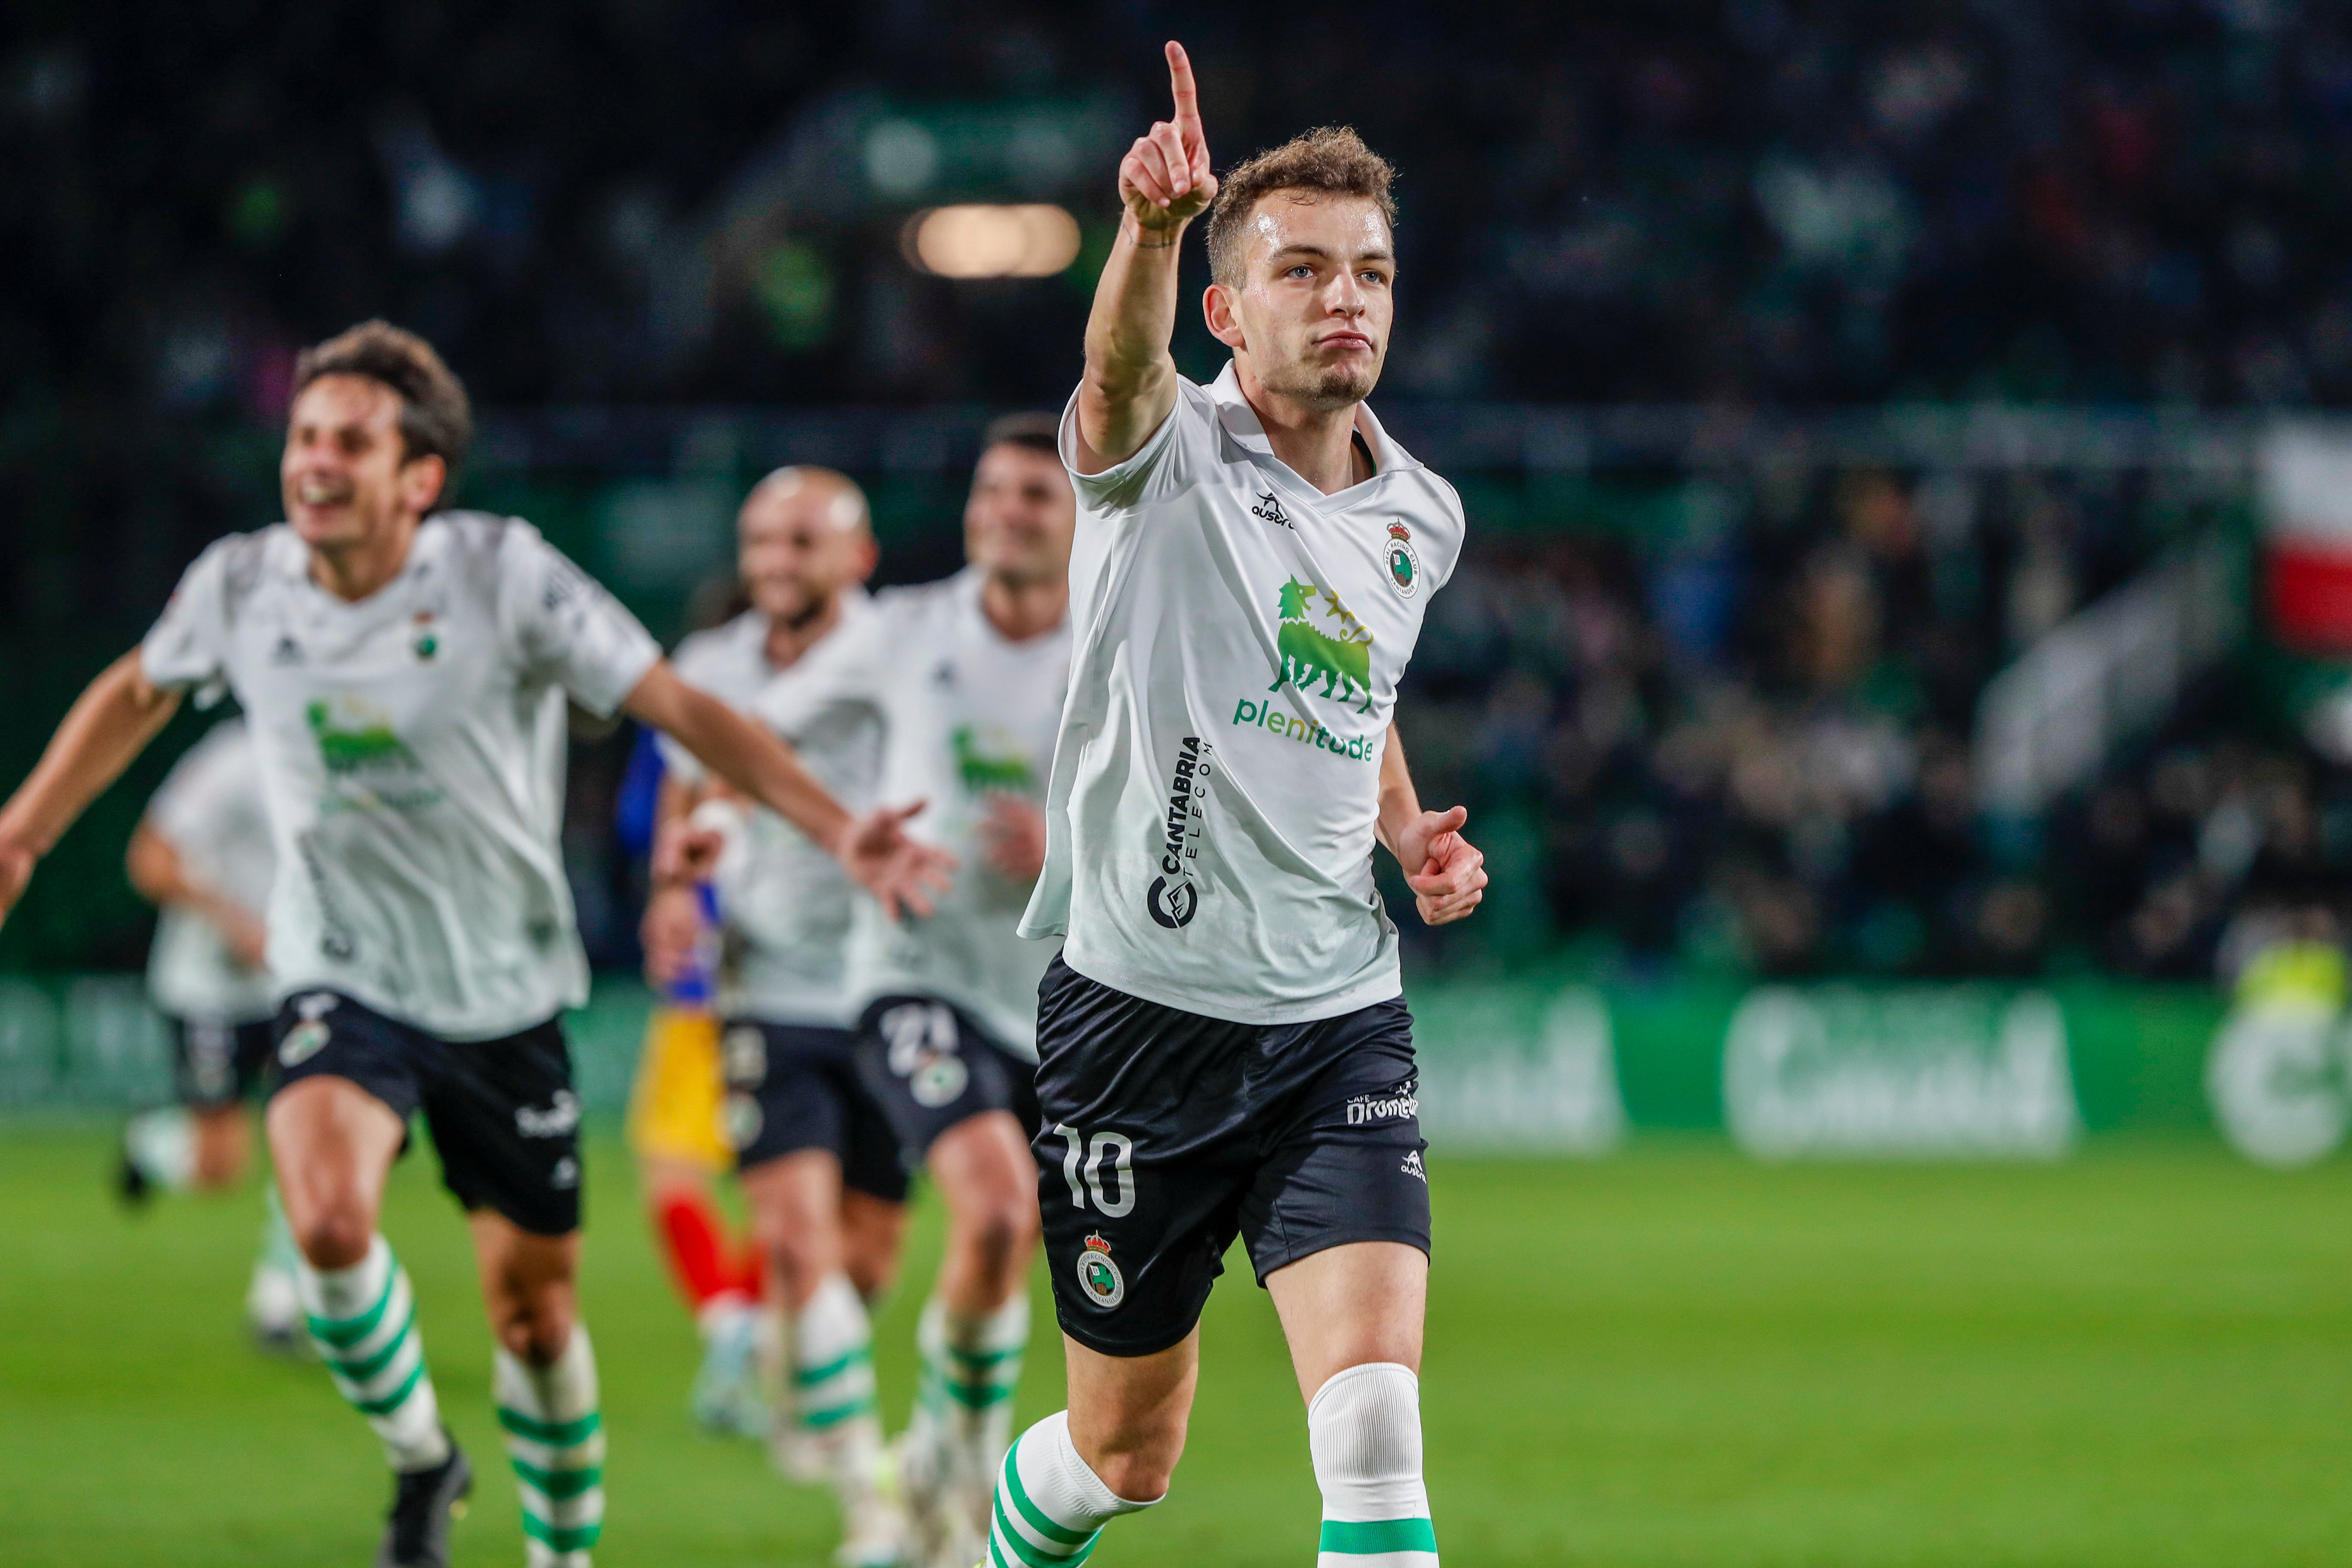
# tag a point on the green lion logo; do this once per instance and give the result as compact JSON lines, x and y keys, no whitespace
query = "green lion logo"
{"x":348,"y":749}
{"x":982,"y":772}
{"x":1321,"y":639}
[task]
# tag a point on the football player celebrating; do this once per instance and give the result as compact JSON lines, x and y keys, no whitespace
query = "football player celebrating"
{"x":1223,"y":1045}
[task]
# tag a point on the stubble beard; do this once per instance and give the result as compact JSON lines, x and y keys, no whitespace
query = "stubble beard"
{"x":1327,"y":387}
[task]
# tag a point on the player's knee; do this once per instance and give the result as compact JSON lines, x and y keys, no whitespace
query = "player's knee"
{"x":334,"y":1234}
{"x":871,"y":1273}
{"x":1138,"y":1462}
{"x":1001,"y":1228}
{"x":536,"y":1329}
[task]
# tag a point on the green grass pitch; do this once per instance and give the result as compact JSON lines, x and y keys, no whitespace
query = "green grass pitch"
{"x":1672,"y":1358}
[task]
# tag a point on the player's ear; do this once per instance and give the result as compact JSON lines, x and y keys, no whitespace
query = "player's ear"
{"x":1224,"y":322}
{"x":421,"y":479}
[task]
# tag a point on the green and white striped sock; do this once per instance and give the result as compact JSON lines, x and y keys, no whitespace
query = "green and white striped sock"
{"x":1050,"y":1507}
{"x":1363,"y":1427}
{"x":832,"y":1358}
{"x":363,"y":1321}
{"x":556,"y":1441}
{"x":971,"y":1371}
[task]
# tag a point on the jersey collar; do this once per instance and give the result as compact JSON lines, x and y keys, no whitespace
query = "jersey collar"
{"x":1246,"y":430}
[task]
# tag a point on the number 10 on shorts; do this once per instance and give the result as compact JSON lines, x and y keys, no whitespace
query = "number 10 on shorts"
{"x":1119,"y":1197}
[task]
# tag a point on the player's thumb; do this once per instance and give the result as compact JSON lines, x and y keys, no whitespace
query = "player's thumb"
{"x":1449,"y":821}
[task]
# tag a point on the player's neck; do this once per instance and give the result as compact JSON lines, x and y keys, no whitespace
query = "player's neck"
{"x":354,"y":571}
{"x":1020,"y":610}
{"x":789,"y":638}
{"x":1315,"y":442}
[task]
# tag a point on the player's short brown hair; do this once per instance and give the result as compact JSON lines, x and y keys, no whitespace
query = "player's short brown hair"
{"x":435,"y":419}
{"x":1329,"y":158}
{"x":1038,"y":432}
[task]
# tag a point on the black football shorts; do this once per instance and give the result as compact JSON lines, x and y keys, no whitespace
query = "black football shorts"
{"x":930,"y":1065}
{"x":791,"y":1087}
{"x":503,"y":1115}
{"x":1167,"y":1133}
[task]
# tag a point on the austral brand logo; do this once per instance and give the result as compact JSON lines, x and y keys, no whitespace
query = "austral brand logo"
{"x":1404,"y":562}
{"x":1098,"y":1276}
{"x":1269,"y":507}
{"x":1174,"y":896}
{"x":1319,"y":639}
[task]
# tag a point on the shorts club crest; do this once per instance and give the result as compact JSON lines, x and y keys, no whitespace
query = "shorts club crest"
{"x":1100,"y":1276}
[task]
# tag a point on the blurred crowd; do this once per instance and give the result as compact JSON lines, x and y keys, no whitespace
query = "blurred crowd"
{"x":1741,"y":736}
{"x":1694,"y":199}
{"x":1750,"y":748}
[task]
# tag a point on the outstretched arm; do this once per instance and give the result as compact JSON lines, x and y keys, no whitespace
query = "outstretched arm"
{"x":1447,"y":876}
{"x":109,"y":724}
{"x":1130,"y":381}
{"x":873,"y":848}
{"x":160,"y":874}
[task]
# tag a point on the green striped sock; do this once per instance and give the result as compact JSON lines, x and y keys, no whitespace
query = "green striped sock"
{"x":555,"y":1443}
{"x":971,"y":1371}
{"x":1050,"y":1509}
{"x":363,"y":1321}
{"x":833,"y":1359}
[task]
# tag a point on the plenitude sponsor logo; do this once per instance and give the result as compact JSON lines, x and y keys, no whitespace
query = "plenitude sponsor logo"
{"x":1267,"y":716}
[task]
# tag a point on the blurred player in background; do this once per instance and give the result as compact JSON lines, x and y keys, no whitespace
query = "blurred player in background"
{"x":405,"y":673}
{"x":675,"y":1129}
{"x":818,"y":1163}
{"x":967,"y":677}
{"x":202,"y":856}
{"x":1223,"y":1043}
{"x":675,"y":1118}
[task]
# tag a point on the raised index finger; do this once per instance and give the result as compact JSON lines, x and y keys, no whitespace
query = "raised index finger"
{"x":1180,"y":83}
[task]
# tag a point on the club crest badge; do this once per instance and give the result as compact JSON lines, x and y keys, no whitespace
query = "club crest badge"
{"x":308,"y":1038}
{"x":938,"y":1081}
{"x":1403,"y":563}
{"x":1098,"y":1276}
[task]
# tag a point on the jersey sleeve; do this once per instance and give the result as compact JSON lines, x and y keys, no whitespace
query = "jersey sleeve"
{"x":188,"y":644}
{"x":1160,"y":468}
{"x":566,"y":626}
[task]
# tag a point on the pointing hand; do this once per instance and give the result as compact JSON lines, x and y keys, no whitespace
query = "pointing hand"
{"x":1165,"y":180}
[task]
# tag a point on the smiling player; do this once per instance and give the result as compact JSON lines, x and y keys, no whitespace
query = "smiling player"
{"x":405,"y":673}
{"x":1223,"y":1044}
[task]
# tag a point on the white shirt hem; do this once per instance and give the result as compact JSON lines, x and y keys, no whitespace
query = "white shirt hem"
{"x":1384,"y":981}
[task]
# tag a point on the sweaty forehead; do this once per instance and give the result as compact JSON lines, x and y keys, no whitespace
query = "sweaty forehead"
{"x":1341,"y":224}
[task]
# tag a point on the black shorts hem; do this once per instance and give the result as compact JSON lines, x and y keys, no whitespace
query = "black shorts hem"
{"x":1325,"y":1241}
{"x":471,"y":1207}
{"x":1127,"y":1350}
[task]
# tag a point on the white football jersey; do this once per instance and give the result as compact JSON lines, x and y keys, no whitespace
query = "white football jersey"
{"x":210,"y":811}
{"x":786,"y":902}
{"x":412,"y":752}
{"x":1216,"y":783}
{"x":966,"y":716}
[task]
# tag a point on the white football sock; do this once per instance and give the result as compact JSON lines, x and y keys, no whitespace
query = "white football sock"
{"x":1363,"y":1427}
{"x":162,"y":1145}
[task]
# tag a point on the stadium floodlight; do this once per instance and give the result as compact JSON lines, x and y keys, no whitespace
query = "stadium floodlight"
{"x":986,"y":240}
